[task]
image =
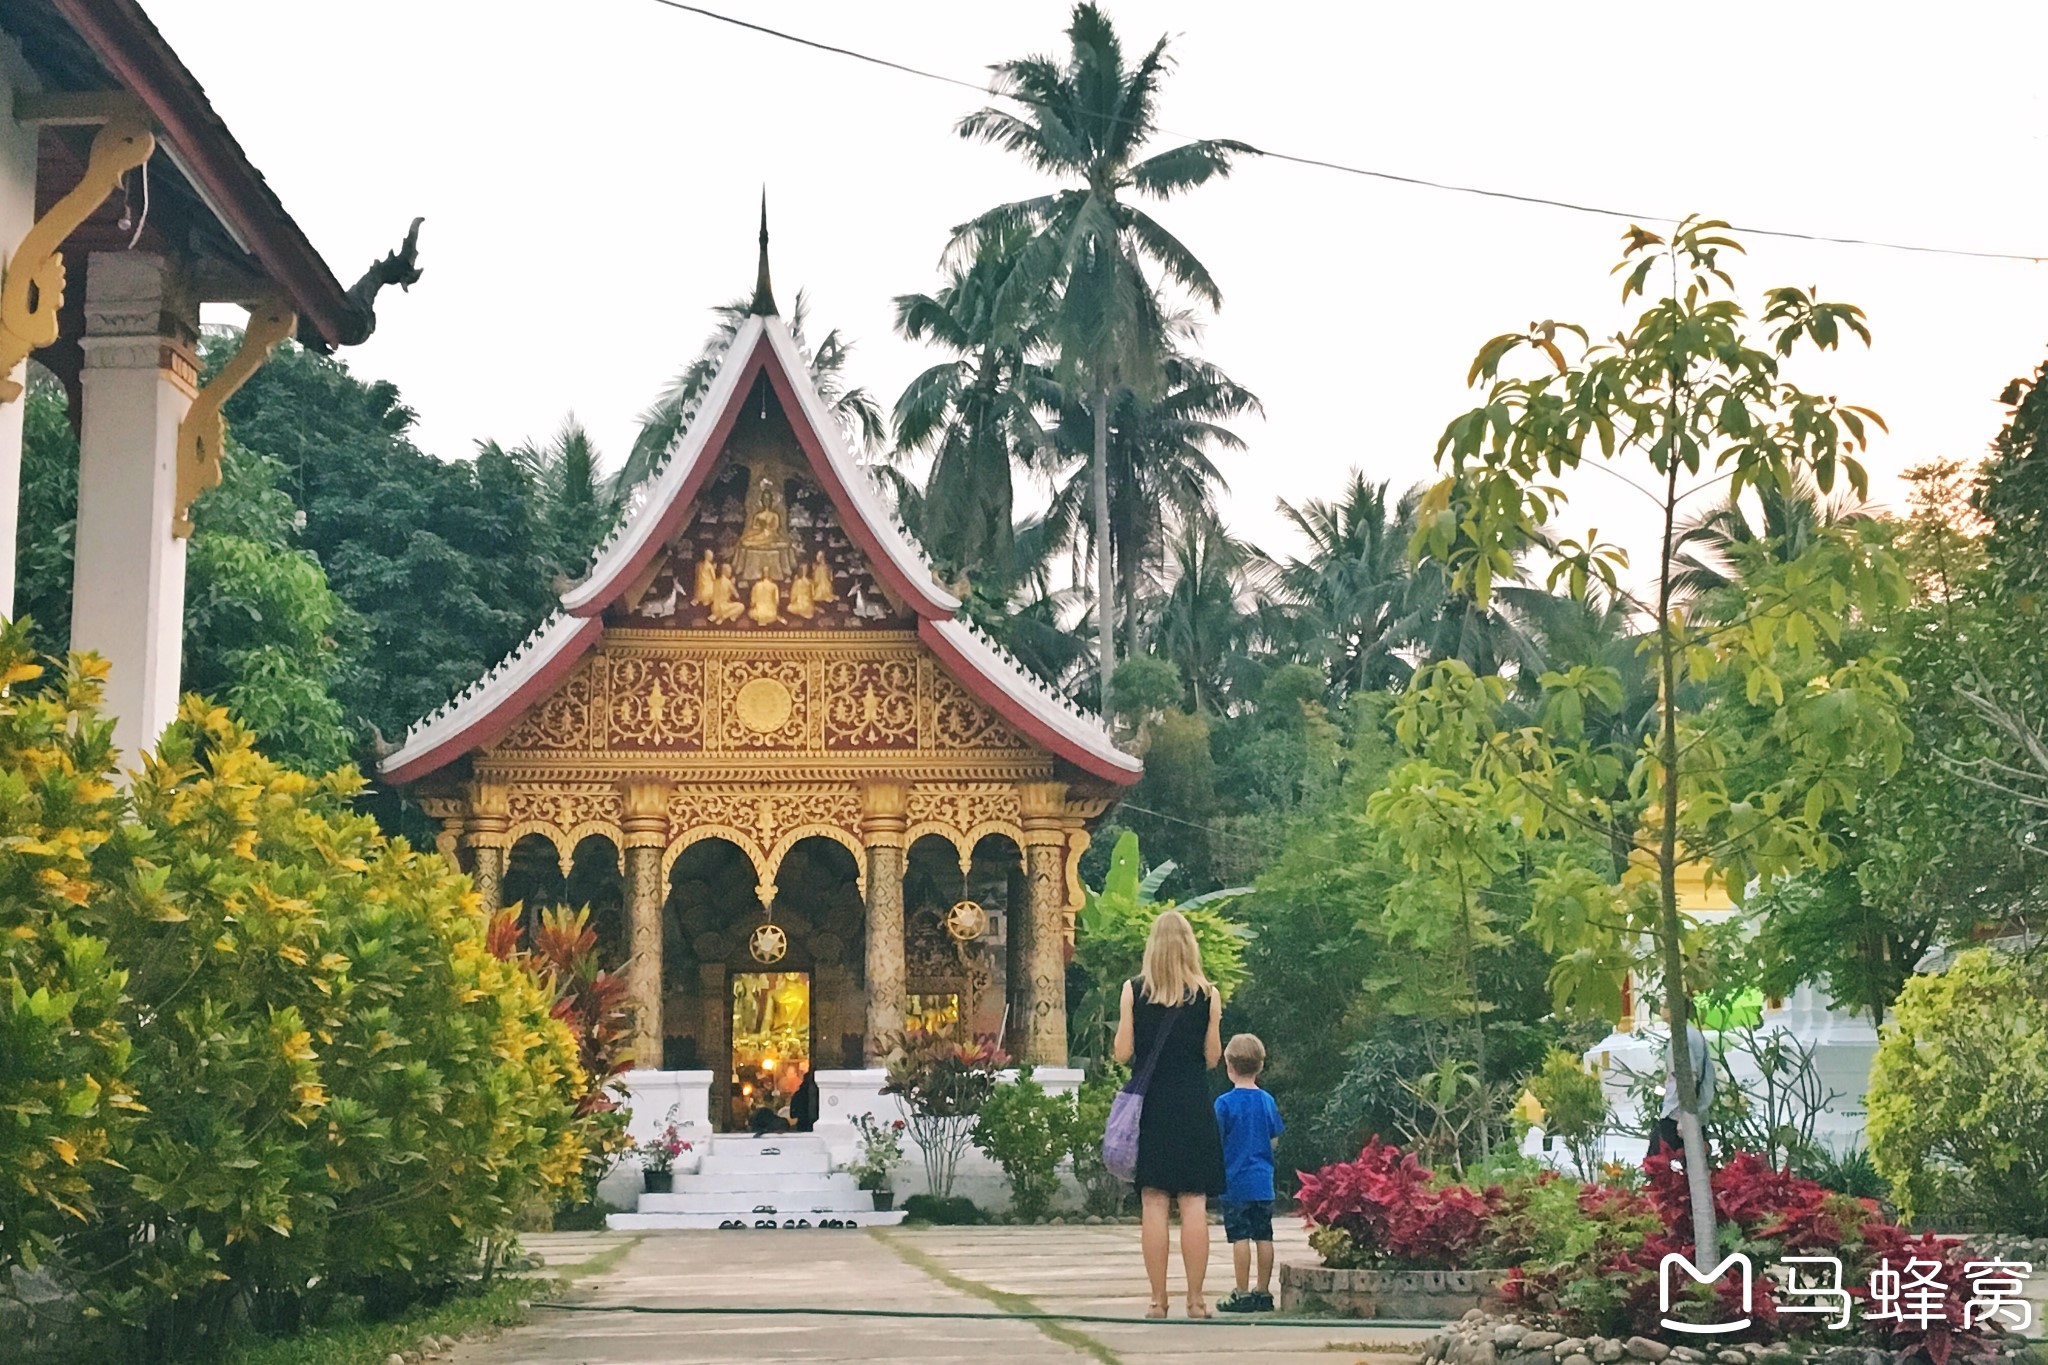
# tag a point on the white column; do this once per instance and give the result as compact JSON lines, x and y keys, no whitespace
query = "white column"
{"x":128,"y":585}
{"x":17,"y":216}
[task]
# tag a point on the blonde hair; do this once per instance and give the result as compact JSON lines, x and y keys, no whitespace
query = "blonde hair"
{"x":1172,"y":971}
{"x":1245,"y":1055}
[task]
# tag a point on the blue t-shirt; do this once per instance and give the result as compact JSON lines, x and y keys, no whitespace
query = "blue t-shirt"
{"x":1250,"y":1121}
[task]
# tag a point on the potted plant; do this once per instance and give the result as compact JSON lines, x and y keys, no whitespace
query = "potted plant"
{"x":658,"y":1156}
{"x":881,"y":1147}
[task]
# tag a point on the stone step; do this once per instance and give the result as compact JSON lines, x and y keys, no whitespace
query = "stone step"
{"x":791,"y":1183}
{"x":653,"y":1222}
{"x":796,"y":1202}
{"x":814,"y":1161}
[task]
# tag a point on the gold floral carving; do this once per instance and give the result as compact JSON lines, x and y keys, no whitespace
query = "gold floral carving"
{"x":656,"y":702}
{"x":871,"y":703}
{"x":963,"y":813}
{"x":765,"y":823}
{"x":959,"y":721}
{"x":738,"y":719}
{"x":566,"y":814}
{"x":562,"y":722}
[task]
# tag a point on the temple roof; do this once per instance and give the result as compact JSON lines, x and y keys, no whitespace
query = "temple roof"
{"x":763,"y":349}
{"x":96,"y":45}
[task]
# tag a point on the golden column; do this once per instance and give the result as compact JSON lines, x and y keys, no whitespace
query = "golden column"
{"x":884,"y":817}
{"x":646,"y":829}
{"x":485,"y":832}
{"x":1041,"y":991}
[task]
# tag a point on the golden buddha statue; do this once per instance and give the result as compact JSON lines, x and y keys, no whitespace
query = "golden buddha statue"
{"x":765,"y":548}
{"x":821,"y":580}
{"x":765,"y":603}
{"x":725,"y":597}
{"x":707,"y":578}
{"x":800,"y":596}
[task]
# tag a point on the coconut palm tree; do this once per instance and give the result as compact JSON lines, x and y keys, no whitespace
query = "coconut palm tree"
{"x":1201,"y":621}
{"x":1087,"y":118}
{"x":1350,"y":603}
{"x":976,"y":414}
{"x":1710,"y":543}
{"x":1158,"y":470}
{"x":661,"y":425}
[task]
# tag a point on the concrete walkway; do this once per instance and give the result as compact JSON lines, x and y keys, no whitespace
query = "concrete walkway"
{"x":1093,"y":1271}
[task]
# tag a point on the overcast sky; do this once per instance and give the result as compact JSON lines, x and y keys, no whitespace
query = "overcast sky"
{"x":589,"y":175}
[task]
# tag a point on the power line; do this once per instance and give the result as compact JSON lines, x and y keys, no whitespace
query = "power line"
{"x":1343,"y":168}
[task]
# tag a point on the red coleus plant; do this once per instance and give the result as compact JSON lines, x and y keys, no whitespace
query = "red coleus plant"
{"x":1390,"y":1206}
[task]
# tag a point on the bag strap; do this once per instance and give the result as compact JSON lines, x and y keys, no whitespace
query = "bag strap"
{"x":1141,"y":1079}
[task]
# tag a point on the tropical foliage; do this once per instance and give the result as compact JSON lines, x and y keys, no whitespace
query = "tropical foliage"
{"x":266,"y":1058}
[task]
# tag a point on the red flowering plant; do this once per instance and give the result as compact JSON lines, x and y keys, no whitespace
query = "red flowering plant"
{"x":658,"y":1154}
{"x":1386,"y":1209}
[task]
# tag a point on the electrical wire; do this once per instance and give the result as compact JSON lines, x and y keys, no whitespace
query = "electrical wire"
{"x":1344,"y":168}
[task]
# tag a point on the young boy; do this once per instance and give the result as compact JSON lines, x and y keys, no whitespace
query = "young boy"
{"x":1251,"y":1130}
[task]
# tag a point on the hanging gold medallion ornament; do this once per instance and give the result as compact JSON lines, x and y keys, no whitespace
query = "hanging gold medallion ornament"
{"x":966,"y":921}
{"x":768,"y":943}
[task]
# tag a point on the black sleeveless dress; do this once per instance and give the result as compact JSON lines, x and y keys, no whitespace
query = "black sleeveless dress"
{"x":1180,"y":1149}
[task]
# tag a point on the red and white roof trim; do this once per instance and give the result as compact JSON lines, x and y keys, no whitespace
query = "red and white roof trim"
{"x":658,"y":508}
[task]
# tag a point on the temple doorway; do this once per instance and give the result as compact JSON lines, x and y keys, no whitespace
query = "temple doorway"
{"x":771,"y":1046}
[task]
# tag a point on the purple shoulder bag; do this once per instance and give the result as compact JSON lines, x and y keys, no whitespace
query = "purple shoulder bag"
{"x":1120,"y":1134}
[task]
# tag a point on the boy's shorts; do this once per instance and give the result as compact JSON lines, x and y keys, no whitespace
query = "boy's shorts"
{"x":1248,"y":1220}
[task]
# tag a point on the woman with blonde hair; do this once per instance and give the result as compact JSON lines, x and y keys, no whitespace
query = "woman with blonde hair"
{"x":1171,"y":1016}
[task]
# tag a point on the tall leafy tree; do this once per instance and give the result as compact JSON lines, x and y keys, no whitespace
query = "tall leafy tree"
{"x":1087,"y":117}
{"x":1684,"y":389}
{"x":264,"y":631}
{"x":446,"y":562}
{"x":662,"y":424}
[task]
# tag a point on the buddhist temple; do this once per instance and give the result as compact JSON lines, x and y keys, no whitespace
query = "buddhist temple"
{"x":809,"y":802}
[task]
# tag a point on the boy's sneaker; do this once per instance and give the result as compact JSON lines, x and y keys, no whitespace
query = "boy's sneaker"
{"x":1239,"y":1301}
{"x":1264,"y":1302}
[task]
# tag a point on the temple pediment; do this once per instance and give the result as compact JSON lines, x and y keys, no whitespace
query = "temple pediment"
{"x":758,"y":601}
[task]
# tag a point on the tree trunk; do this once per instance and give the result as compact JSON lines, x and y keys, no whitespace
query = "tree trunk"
{"x":1105,"y":583}
{"x":1678,"y":1004}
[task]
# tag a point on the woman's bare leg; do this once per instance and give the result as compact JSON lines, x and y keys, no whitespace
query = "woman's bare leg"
{"x":1194,"y":1248}
{"x":1152,"y":1237}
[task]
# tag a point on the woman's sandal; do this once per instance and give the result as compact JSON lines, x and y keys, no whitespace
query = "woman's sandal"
{"x":1197,"y":1308}
{"x":1157,"y":1310}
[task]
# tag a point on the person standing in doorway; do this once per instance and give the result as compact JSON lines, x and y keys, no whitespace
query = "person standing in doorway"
{"x":1665,"y":1137}
{"x":1172,"y":1009}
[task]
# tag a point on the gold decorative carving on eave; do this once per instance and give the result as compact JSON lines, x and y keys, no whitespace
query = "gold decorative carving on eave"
{"x":203,"y":432}
{"x":753,"y":642}
{"x":33,"y":288}
{"x":765,"y":768}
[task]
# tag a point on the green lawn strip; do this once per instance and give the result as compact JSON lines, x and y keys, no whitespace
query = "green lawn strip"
{"x":600,"y":1264}
{"x":368,"y":1343}
{"x":1007,"y":1302}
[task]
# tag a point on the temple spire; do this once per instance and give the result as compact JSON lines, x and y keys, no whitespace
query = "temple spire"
{"x":764,"y":296}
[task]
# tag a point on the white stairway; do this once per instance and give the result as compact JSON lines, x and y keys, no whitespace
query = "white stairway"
{"x":744,"y":1178}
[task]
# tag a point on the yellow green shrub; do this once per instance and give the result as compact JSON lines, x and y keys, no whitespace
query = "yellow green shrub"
{"x":63,"y":1052}
{"x":345,"y":1090}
